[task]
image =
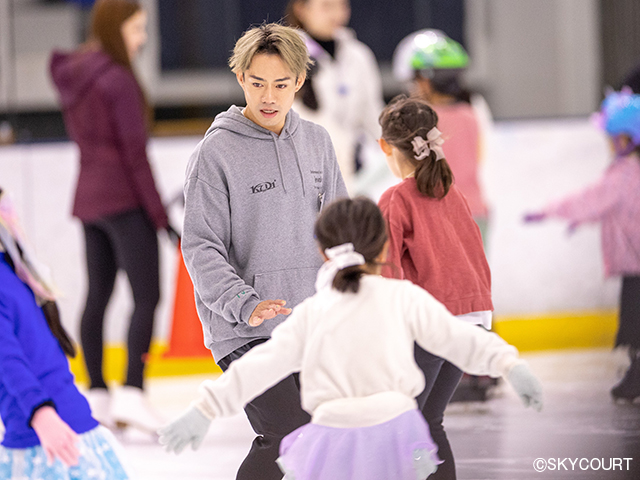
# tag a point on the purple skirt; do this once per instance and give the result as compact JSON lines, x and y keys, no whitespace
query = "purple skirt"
{"x":400,"y":449}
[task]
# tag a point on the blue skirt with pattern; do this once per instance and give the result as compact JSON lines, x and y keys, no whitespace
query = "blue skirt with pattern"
{"x":100,"y":459}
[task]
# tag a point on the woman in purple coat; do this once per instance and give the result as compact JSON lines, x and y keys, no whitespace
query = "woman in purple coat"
{"x":106,"y":114}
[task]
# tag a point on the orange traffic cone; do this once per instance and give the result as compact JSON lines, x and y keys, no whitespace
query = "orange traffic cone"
{"x":186,"y":330}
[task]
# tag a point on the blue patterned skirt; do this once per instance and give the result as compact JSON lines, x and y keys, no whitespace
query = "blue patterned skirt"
{"x":100,"y":459}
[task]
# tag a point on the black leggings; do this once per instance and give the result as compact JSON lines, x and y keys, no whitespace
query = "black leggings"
{"x":441,"y":380}
{"x":273,"y":415}
{"x":629,"y":326}
{"x":127,"y":241}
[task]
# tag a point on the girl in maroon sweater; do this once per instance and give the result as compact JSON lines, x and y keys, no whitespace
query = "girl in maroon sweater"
{"x":434,"y":242}
{"x":116,"y":198}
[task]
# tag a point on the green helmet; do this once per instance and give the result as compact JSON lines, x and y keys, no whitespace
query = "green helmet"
{"x":427,"y":50}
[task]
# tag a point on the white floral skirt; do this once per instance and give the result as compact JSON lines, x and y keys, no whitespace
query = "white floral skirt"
{"x":100,"y":459}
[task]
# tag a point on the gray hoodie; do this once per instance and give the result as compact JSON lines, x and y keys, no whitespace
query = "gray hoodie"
{"x":252,"y":198}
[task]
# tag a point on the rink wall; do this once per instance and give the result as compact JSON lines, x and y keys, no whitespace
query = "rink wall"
{"x":548,"y":287}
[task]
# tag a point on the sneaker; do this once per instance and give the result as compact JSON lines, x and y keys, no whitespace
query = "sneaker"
{"x":130,"y":407}
{"x":100,"y":403}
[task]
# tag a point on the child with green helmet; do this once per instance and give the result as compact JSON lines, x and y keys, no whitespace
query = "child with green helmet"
{"x":433,"y":63}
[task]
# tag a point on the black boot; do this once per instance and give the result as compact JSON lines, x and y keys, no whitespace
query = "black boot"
{"x":629,"y":386}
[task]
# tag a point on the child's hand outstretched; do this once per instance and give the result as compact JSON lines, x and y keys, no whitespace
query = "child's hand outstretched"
{"x":58,"y":440}
{"x":526,"y":385}
{"x":534,"y":217}
{"x":189,"y":428}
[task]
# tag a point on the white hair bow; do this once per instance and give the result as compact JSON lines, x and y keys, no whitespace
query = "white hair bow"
{"x":340,"y":256}
{"x":422,"y":148}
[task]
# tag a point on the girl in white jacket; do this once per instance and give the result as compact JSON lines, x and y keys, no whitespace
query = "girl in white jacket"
{"x":352,"y":343}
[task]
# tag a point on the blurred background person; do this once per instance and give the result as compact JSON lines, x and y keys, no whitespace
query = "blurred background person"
{"x":343,"y":91}
{"x":614,"y":201}
{"x":106,"y":114}
{"x":433,"y":63}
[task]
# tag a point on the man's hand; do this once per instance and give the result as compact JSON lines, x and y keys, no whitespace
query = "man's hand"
{"x":266,"y":310}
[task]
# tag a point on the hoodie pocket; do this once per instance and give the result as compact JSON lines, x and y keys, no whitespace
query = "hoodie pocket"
{"x":293,"y":285}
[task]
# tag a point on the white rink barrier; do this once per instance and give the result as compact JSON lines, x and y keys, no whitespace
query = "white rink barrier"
{"x":537,"y":269}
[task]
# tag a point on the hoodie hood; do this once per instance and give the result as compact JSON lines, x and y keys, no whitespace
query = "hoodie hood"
{"x":75,"y":73}
{"x":235,"y":121}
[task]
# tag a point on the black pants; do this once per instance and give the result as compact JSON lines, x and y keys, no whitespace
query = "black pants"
{"x":127,"y":241}
{"x":629,"y":326}
{"x":441,"y":378}
{"x":273,"y":415}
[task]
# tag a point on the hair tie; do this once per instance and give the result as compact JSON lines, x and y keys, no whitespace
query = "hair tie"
{"x":422,"y":148}
{"x":340,"y":256}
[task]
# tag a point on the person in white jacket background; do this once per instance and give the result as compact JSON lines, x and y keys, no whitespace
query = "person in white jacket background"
{"x":353,"y":344}
{"x":343,"y":91}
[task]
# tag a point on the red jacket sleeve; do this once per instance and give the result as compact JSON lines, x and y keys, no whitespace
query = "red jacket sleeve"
{"x":394,"y":217}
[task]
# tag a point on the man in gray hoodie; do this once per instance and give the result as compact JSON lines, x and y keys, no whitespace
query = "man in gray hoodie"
{"x":254,"y":187}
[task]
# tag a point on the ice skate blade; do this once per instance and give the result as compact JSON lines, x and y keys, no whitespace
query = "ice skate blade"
{"x":626,"y":400}
{"x":124,"y":425}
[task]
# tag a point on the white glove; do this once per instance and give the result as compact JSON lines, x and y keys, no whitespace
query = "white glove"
{"x":189,"y":428}
{"x":526,"y":385}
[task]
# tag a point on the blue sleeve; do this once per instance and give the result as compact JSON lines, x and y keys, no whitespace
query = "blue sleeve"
{"x":16,"y":375}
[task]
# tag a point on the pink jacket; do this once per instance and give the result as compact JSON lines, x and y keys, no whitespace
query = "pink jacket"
{"x":615,"y":201}
{"x":459,"y":127}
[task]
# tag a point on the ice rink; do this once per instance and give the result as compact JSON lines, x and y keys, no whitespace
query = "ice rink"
{"x":536,"y":270}
{"x":495,"y":440}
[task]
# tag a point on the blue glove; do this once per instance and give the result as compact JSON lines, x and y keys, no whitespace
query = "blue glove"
{"x":526,"y":385}
{"x":190,"y":428}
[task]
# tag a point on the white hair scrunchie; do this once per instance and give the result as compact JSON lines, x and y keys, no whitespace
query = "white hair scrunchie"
{"x":340,"y":256}
{"x":422,"y":148}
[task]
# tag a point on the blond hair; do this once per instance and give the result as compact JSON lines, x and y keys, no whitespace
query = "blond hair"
{"x":274,"y":39}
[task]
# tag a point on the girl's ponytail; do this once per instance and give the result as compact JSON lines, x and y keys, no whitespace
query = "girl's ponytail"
{"x":348,"y":279}
{"x":434,"y":177}
{"x":357,"y":228}
{"x":403,"y":121}
{"x":52,"y":314}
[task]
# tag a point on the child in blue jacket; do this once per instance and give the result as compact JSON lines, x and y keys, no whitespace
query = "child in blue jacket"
{"x":49,"y":430}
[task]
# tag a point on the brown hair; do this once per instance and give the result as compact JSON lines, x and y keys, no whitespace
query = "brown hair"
{"x":274,"y":39}
{"x":404,"y":119}
{"x":290,"y":16}
{"x":107,"y":17}
{"x":52,"y":316}
{"x":357,"y":221}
